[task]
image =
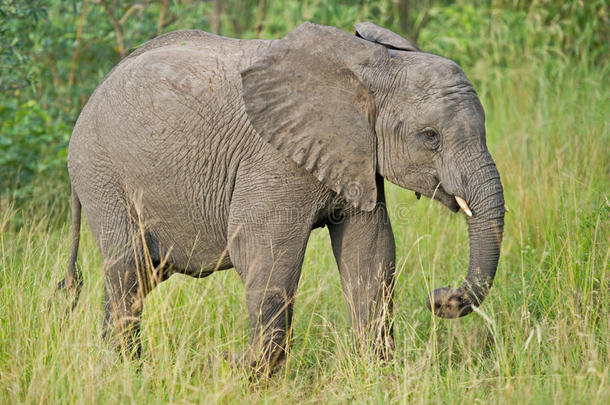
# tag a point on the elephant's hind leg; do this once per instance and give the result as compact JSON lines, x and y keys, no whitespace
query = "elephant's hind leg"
{"x":129,"y":275}
{"x":122,"y":307}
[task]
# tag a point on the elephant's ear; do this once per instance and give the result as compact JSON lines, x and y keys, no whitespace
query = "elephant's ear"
{"x":305,"y":96}
{"x":383,"y":36}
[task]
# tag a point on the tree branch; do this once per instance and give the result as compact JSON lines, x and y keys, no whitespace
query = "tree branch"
{"x":57,"y":81}
{"x":79,"y":36}
{"x":162,"y":17}
{"x":260,"y":17}
{"x":216,"y":17}
{"x":118,"y":28}
{"x":130,"y":11}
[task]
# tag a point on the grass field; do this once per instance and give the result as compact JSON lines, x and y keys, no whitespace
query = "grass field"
{"x":542,"y":336}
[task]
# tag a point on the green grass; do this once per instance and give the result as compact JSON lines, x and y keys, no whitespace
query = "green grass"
{"x":542,"y":336}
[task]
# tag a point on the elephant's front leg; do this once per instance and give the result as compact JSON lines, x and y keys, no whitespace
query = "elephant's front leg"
{"x":268,"y":253}
{"x":364,"y":248}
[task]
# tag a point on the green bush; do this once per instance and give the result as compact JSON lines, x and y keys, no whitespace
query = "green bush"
{"x":32,"y":145}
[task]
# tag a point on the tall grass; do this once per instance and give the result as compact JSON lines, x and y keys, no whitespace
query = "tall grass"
{"x":543,"y":335}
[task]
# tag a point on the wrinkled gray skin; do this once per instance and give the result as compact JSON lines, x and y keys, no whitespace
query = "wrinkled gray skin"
{"x":224,"y":153}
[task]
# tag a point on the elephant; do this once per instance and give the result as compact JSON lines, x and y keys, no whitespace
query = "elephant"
{"x":199,"y":153}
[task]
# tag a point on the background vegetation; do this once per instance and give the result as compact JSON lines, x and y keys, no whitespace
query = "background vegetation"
{"x":541,"y":70}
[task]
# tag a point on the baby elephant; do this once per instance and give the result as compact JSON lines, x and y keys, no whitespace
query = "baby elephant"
{"x":199,"y":153}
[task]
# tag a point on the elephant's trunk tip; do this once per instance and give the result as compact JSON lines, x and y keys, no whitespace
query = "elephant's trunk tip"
{"x":449,"y":302}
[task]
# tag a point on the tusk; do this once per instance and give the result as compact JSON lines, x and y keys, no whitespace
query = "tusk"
{"x":463,"y":205}
{"x":506,"y":208}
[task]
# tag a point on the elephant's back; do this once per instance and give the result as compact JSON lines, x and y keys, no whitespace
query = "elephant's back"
{"x":176,"y":94}
{"x":177,"y":103}
{"x":213,"y":45}
{"x":182,"y":37}
{"x":157,"y":78}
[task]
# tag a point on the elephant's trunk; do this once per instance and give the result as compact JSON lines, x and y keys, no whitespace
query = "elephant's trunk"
{"x":486,"y":200}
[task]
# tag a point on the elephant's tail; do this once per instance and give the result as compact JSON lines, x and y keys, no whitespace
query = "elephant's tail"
{"x":73,"y":281}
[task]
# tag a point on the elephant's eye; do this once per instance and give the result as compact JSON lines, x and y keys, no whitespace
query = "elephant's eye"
{"x":431,"y":138}
{"x":430,"y":133}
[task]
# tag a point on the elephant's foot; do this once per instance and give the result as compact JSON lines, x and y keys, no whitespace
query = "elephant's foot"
{"x":377,"y":341}
{"x":251,"y":362}
{"x":125,"y":336}
{"x":262,"y":363}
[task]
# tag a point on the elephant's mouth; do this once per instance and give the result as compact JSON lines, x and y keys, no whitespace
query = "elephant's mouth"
{"x":441,"y":195}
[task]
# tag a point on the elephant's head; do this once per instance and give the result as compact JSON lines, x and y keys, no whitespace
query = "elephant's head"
{"x":346,"y":108}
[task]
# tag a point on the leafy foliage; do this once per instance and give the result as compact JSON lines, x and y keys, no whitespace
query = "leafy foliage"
{"x":32,"y":142}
